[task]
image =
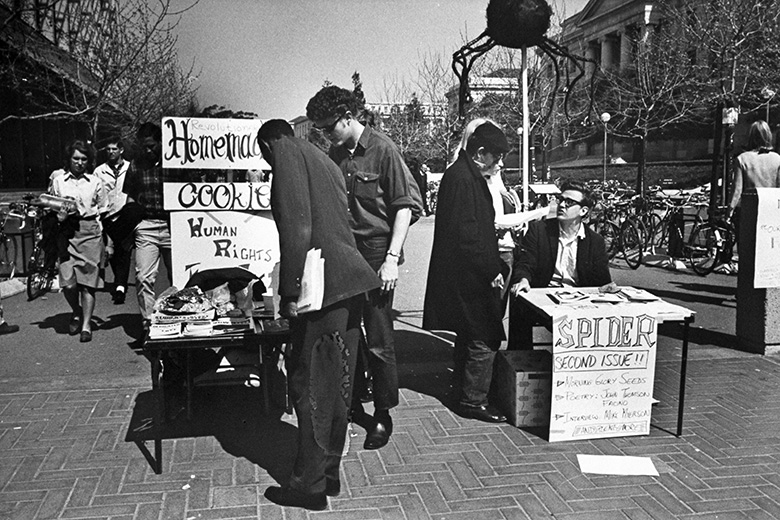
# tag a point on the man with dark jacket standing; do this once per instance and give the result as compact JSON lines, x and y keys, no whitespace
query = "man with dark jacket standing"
{"x":383,"y":200}
{"x":463,"y":293}
{"x":556,"y":253}
{"x":309,"y":205}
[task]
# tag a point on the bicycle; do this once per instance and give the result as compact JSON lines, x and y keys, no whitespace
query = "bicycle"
{"x":711,"y":244}
{"x":621,"y":230}
{"x":41,"y":266}
{"x":8,"y":242}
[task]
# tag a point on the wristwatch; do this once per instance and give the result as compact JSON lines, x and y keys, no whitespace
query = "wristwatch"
{"x":391,"y":252}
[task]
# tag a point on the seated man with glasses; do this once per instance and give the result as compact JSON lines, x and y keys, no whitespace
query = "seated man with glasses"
{"x":560,"y":252}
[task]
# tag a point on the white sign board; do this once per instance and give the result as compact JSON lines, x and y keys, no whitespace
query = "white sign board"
{"x":217,"y":196}
{"x":603,"y":371}
{"x":767,"y":273}
{"x":213,"y":239}
{"x":214,"y":144}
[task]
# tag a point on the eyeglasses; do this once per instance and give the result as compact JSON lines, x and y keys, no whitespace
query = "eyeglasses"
{"x":329,"y":128}
{"x":567,"y":201}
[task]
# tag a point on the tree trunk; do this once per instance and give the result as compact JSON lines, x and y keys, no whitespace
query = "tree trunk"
{"x":641,"y":165}
{"x":716,"y":156}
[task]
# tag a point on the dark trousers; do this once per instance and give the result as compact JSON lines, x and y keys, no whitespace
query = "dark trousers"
{"x":473,"y":372}
{"x":321,"y":372}
{"x":521,"y":326}
{"x":378,"y":322}
{"x":120,"y":262}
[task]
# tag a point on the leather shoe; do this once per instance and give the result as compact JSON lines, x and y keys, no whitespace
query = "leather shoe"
{"x":119,"y":297}
{"x":485,"y":413}
{"x":288,"y":497}
{"x":74,"y":325}
{"x":86,"y":336}
{"x":7,"y":328}
{"x":332,"y":487}
{"x":379,"y":433}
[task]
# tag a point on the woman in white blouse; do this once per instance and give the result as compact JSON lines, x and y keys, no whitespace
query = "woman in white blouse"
{"x":81,"y":242}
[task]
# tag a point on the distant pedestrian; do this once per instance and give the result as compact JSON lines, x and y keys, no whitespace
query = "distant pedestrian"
{"x":309,"y":204}
{"x":466,"y":273}
{"x":81,"y":238}
{"x":5,"y":327}
{"x":383,"y":201}
{"x":113,"y":173}
{"x":757,"y":167}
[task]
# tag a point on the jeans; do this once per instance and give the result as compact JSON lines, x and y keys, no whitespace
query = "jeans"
{"x":322,"y":428}
{"x":152,"y":242}
{"x":473,"y":372}
{"x":378,"y":322}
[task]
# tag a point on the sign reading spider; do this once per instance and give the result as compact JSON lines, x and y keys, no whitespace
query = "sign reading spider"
{"x":517,"y":24}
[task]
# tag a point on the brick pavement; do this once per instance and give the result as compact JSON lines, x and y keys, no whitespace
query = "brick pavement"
{"x":65,"y":454}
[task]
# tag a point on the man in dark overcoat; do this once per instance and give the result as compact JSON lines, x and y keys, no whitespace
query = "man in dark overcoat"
{"x":309,"y":205}
{"x":463,"y":292}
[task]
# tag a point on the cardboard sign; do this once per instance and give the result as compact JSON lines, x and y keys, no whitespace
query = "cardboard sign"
{"x":213,"y":239}
{"x":221,"y":144}
{"x":217,"y":196}
{"x":767,"y":266}
{"x":603,"y":371}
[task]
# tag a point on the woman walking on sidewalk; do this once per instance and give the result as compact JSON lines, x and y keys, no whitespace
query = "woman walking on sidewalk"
{"x":80,"y":241}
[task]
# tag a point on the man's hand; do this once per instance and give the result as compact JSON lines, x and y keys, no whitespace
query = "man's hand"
{"x":520,"y":287}
{"x":498,"y":283}
{"x":289,"y":308}
{"x":388,"y":273}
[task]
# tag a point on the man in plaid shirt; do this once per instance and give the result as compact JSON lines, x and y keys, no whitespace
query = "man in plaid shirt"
{"x":144,"y":184}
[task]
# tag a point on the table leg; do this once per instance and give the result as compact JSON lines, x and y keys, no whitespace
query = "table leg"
{"x":189,"y":384}
{"x":683,"y":375}
{"x":158,"y":391}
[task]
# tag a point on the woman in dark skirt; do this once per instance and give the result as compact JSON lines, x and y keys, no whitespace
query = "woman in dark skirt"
{"x":81,"y":242}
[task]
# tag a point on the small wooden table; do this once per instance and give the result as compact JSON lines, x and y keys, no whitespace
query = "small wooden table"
{"x":541,"y":303}
{"x":267,"y":344}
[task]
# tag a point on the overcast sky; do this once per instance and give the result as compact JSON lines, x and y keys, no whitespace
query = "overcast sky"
{"x":271,"y":56}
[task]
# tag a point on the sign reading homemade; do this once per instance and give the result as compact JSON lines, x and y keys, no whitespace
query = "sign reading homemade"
{"x":603,"y":371}
{"x":226,"y":144}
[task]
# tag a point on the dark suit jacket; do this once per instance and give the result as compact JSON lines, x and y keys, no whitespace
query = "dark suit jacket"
{"x":536,"y":253}
{"x":465,"y":259}
{"x":309,"y":205}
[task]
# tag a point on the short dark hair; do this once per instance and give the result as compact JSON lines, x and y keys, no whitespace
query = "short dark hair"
{"x":113,"y":139}
{"x":274,"y":129}
{"x":332,"y":101}
{"x":487,"y":136}
{"x":587,"y":195}
{"x":149,"y":129}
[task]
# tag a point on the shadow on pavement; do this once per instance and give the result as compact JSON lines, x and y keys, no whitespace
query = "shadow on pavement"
{"x":425,"y":363}
{"x":233,"y":415}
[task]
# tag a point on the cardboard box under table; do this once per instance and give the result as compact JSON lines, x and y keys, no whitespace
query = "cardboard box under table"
{"x":523,"y":383}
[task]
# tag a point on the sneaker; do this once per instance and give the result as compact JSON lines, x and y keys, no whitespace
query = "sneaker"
{"x":6,"y":328}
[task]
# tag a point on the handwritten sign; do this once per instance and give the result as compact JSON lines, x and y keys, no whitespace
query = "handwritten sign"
{"x":767,"y":266}
{"x":213,"y":239}
{"x":223,"y":144}
{"x":603,"y":371}
{"x":217,"y":196}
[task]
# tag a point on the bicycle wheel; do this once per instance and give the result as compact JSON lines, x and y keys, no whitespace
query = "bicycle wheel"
{"x":631,"y":244}
{"x":609,"y":231}
{"x":704,"y":248}
{"x":7,"y":256}
{"x":654,"y":231}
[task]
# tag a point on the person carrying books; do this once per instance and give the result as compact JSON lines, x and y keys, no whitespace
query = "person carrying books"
{"x":560,"y":252}
{"x":309,"y":205}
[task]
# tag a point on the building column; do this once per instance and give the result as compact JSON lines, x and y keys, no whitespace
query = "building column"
{"x":607,"y":51}
{"x":590,"y":53}
{"x":625,"y":48}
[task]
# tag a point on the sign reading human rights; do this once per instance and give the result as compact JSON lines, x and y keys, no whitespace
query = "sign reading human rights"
{"x":767,"y":265}
{"x":214,"y":239}
{"x":217,"y":196}
{"x":221,"y":144}
{"x":603,"y":371}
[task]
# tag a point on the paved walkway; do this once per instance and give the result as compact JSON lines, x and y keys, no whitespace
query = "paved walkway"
{"x":67,"y":451}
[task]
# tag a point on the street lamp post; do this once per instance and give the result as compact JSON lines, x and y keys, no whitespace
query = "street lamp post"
{"x":605,"y":117}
